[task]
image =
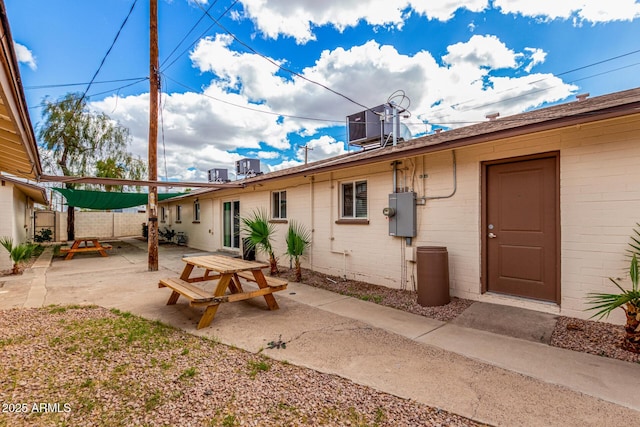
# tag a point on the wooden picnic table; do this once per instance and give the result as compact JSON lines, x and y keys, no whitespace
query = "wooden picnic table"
{"x":77,"y":246}
{"x":227,"y":271}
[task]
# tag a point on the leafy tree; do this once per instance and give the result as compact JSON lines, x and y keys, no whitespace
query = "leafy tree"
{"x":109,"y":168}
{"x":259,"y":234}
{"x":298,"y":240}
{"x":127,"y":167}
{"x":18,"y":254}
{"x":77,"y":139}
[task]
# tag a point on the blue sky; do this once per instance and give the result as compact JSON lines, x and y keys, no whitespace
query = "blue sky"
{"x":223,"y":98}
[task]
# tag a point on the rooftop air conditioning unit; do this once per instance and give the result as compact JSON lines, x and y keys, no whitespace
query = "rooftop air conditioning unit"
{"x":368,"y":126}
{"x":249,"y":167}
{"x":218,"y":175}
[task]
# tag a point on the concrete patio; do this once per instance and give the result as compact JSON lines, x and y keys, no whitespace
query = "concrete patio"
{"x":494,"y":378}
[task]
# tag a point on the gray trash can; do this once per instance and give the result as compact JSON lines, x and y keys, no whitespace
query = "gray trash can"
{"x":433,"y":275}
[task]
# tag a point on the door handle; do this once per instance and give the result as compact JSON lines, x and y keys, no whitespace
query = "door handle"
{"x":492,"y":236}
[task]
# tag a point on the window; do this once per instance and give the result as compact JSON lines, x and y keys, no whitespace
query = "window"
{"x":196,"y":210}
{"x":178,"y":213}
{"x":354,"y":199}
{"x":231,"y":224}
{"x":163,"y":214}
{"x":279,"y":205}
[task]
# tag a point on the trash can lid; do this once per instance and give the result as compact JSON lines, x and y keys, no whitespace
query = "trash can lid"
{"x":431,"y":249}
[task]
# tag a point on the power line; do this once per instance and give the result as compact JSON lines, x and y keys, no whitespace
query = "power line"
{"x":217,"y":22}
{"x":254,"y":109}
{"x":530,"y":93}
{"x":187,"y":35}
{"x":110,"y":91}
{"x":541,"y":80}
{"x":104,"y":58}
{"x":51,"y":86}
{"x":164,"y":148}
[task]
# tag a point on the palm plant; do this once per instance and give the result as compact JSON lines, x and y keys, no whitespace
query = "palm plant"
{"x":18,"y":254}
{"x":634,"y":245}
{"x":259,"y":234}
{"x":628,"y":300}
{"x":298,"y":240}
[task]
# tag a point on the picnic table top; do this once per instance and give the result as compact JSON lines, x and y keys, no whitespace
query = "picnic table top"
{"x":223,"y":264}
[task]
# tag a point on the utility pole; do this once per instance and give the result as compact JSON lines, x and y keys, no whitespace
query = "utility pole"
{"x":306,"y":152}
{"x":154,"y":76}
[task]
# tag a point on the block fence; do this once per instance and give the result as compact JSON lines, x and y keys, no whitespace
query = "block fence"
{"x":103,"y":225}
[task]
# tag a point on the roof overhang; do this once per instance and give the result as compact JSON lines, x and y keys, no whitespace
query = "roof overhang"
{"x":34,"y":192}
{"x":17,"y":140}
{"x":132,"y":182}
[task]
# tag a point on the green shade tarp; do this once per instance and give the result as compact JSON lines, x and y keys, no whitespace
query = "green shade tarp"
{"x":104,"y":200}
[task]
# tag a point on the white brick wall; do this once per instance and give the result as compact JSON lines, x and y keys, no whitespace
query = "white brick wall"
{"x":599,"y":198}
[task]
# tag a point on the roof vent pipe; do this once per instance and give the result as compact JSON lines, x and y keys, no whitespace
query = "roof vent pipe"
{"x":582,"y":96}
{"x":492,"y":116}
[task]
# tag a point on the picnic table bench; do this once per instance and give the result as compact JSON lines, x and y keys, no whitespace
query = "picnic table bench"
{"x":228,"y":272}
{"x":76,"y":247}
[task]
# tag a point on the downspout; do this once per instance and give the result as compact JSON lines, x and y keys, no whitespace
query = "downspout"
{"x":312,"y":196}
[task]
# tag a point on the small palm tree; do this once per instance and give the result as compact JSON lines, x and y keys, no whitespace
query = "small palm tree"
{"x":259,"y":234}
{"x":18,"y":254}
{"x":628,"y":300}
{"x":298,"y":240}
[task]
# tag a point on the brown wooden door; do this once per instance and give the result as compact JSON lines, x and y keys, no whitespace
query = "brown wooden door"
{"x":521,"y":225}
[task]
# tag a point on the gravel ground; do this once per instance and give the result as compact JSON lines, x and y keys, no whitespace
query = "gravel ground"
{"x":89,"y":366}
{"x":599,"y":338}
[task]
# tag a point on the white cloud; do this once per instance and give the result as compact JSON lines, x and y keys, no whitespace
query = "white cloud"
{"x":268,"y":154}
{"x":318,"y":149}
{"x":299,"y":19}
{"x":583,"y":10}
{"x":25,"y":56}
{"x":203,"y":130}
{"x":480,"y":52}
{"x":443,"y":10}
{"x":537,"y":56}
{"x":321,"y":148}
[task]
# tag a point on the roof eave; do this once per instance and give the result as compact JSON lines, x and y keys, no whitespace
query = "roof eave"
{"x":35,"y":192}
{"x":13,"y":93}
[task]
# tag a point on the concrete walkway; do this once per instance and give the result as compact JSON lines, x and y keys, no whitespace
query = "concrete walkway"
{"x":492,"y":378}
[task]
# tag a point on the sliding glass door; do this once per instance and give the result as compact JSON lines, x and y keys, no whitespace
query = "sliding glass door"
{"x":231,"y":224}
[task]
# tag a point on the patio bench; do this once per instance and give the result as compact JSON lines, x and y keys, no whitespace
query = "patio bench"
{"x":197,"y":297}
{"x":273,"y":282}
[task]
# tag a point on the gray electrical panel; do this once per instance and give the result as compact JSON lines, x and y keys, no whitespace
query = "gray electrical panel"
{"x":402,"y":214}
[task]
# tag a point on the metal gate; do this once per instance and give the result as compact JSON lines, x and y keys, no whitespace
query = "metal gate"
{"x":44,"y":220}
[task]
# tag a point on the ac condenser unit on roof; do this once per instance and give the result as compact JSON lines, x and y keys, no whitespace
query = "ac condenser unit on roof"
{"x":248,"y":167}
{"x":373,"y":125}
{"x":218,"y":175}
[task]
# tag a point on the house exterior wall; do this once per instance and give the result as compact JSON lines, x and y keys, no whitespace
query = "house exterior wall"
{"x":598,"y":210}
{"x":16,"y":211}
{"x":599,"y":202}
{"x":7,"y":222}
